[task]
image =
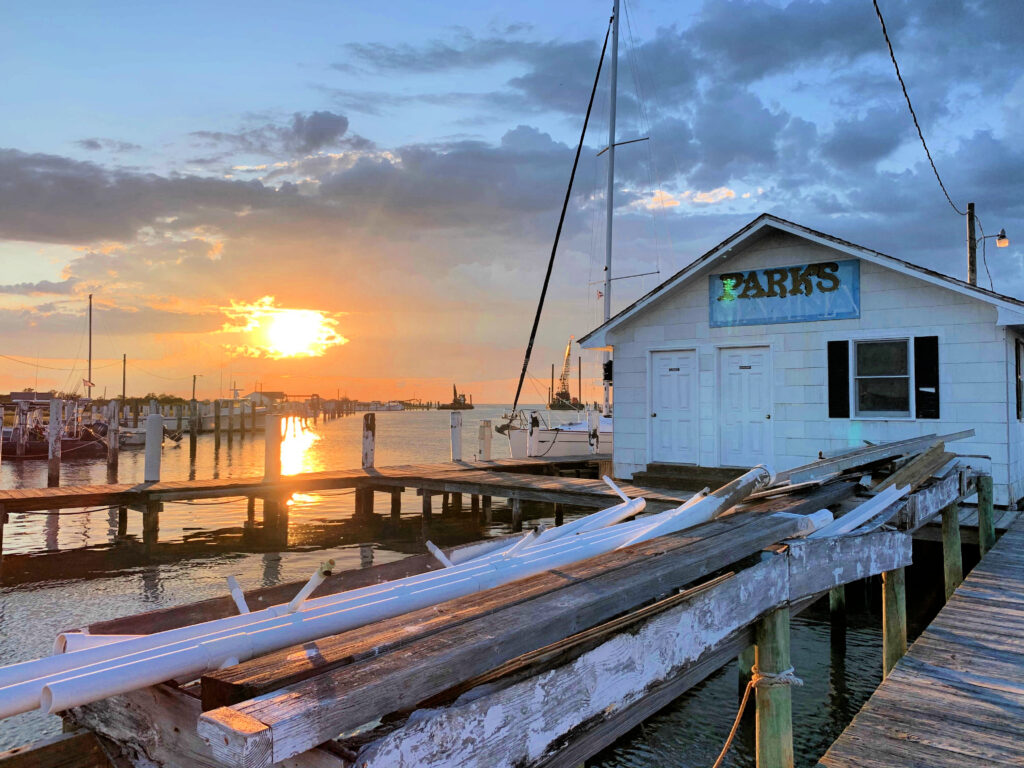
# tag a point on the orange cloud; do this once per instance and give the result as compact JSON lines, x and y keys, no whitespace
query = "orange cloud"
{"x":278,"y":332}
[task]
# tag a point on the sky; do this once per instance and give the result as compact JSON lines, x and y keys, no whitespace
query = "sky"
{"x":397,"y":172}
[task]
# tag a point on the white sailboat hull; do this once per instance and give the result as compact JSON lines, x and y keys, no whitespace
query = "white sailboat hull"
{"x":557,"y":442}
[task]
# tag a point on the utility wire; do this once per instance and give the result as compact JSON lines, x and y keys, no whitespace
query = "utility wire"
{"x":910,"y":106}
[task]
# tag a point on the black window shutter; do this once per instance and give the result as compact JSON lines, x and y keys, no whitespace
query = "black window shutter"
{"x":926,"y":376}
{"x":1018,"y":348}
{"x":839,"y":379}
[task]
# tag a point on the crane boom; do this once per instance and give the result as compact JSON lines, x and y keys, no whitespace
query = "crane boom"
{"x":563,"y":380}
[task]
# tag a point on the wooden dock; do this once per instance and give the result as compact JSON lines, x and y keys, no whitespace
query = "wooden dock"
{"x":957,"y":697}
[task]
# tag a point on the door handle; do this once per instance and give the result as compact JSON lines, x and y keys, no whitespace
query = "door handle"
{"x":653,"y":415}
{"x":768,"y":416}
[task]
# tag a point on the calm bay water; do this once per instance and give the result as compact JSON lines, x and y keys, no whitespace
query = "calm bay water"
{"x":688,"y":733}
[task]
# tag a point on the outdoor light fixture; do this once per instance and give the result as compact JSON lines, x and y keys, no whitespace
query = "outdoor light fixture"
{"x":1001,"y":239}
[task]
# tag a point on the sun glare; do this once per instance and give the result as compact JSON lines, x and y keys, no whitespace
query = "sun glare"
{"x":277,"y":332}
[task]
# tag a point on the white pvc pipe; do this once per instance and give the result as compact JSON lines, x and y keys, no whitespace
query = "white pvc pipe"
{"x":237,"y":595}
{"x":69,"y":642}
{"x":315,"y":581}
{"x":439,"y":555}
{"x":611,"y":484}
{"x":863,"y":512}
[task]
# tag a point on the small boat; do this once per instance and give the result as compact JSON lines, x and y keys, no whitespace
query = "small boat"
{"x":458,"y":403}
{"x":573,"y":439}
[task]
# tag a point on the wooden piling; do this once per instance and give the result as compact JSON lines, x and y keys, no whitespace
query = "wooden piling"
{"x":369,"y":439}
{"x":517,"y":515}
{"x":559,"y":514}
{"x":894,"y":619}
{"x":3,"y":522}
{"x":364,"y":502}
{"x":113,"y":442}
{"x":21,"y":424}
{"x":252,"y":418}
{"x":250,"y":512}
{"x":231,"y":421}
{"x":745,"y":664}
{"x":837,"y":615}
{"x":216,"y":424}
{"x":446,"y":507}
{"x":952,"y":557}
{"x":427,"y":509}
{"x":178,"y":419}
{"x":151,"y":523}
{"x":457,"y":503}
{"x":986,"y":515}
{"x":485,"y":437}
{"x":241,"y":417}
{"x":474,"y":506}
{"x":53,"y":443}
{"x":396,"y":505}
{"x":774,"y":725}
{"x":122,"y":522}
{"x":456,"y":423}
{"x":193,"y":428}
{"x":485,"y":512}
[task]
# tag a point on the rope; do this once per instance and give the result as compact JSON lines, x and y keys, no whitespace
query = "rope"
{"x":758,"y":679}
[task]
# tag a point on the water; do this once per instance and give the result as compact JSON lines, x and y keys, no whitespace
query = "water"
{"x":687,"y":733}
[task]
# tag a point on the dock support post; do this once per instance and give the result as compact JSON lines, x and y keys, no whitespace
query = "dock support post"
{"x":369,"y":438}
{"x":154,"y":440}
{"x":151,"y":515}
{"x":559,"y":514}
{"x":122,"y":522}
{"x":837,"y":614}
{"x":250,"y":513}
{"x":271,"y":472}
{"x":485,"y":514}
{"x":517,"y":515}
{"x":113,"y":441}
{"x":986,"y":515}
{"x":3,"y":521}
{"x":952,"y":557}
{"x":54,"y":435}
{"x":178,"y":417}
{"x":241,"y":418}
{"x":231,"y":421}
{"x":428,"y":511}
{"x":252,"y":418}
{"x":193,"y":428}
{"x":456,"y":417}
{"x":485,"y":435}
{"x":774,"y":726}
{"x":474,"y":506}
{"x":21,"y":423}
{"x":456,"y":503}
{"x":745,"y":664}
{"x":396,"y":505}
{"x":894,"y":619}
{"x":216,"y":425}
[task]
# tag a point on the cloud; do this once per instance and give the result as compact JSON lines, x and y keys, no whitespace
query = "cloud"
{"x":716,"y":195}
{"x":305,"y":133}
{"x":112,"y":145}
{"x":62,"y":287}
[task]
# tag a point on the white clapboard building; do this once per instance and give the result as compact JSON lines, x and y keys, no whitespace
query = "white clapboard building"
{"x":782,"y":342}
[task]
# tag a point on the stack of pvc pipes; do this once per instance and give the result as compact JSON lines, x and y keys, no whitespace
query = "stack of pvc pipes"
{"x":78,"y":677}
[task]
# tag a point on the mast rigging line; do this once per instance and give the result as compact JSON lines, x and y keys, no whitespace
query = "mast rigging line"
{"x":561,"y":222}
{"x":892,"y":55}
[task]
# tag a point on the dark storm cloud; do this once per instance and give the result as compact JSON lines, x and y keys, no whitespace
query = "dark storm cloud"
{"x":867,"y":139}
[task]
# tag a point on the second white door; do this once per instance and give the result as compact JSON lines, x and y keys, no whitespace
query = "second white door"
{"x":744,"y":406}
{"x":674,"y":407}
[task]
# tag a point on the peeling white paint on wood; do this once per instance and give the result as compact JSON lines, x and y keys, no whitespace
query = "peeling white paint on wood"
{"x":520,"y":724}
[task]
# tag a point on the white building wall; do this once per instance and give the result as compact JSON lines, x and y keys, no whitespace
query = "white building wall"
{"x":973,"y":365}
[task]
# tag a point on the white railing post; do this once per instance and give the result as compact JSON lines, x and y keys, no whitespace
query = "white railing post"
{"x":369,"y":438}
{"x":154,"y":441}
{"x":485,"y":435}
{"x":54,"y":435}
{"x":456,"y":435}
{"x":533,"y":434}
{"x":594,"y":431}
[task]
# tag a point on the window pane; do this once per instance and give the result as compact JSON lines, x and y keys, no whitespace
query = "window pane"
{"x":882,"y":358}
{"x":883,"y":397}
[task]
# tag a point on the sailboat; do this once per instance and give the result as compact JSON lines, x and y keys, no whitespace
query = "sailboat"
{"x":527,"y":434}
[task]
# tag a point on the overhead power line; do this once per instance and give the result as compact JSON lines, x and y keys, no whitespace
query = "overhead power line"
{"x":910,"y":106}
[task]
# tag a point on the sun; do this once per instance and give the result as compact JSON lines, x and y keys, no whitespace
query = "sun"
{"x":278,"y":332}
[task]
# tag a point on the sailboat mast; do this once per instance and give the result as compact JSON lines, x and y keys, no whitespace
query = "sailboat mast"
{"x":610,"y":195}
{"x":89,"y":388}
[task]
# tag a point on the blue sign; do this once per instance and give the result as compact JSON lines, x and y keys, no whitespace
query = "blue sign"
{"x":829,"y":290}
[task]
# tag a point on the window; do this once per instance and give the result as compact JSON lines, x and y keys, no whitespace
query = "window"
{"x":873,"y":378}
{"x":881,"y":378}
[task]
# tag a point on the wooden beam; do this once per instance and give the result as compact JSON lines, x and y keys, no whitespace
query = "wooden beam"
{"x":681,"y":559}
{"x":78,"y":749}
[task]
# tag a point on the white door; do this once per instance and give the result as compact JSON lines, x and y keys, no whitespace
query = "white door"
{"x":674,"y":407}
{"x":744,"y":406}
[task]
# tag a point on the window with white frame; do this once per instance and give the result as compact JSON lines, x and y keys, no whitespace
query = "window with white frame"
{"x":881,"y":374}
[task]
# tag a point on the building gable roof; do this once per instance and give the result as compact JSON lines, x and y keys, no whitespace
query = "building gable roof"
{"x":1010,"y":310}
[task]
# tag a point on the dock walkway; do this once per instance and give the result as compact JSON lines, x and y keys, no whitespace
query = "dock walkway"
{"x":532,"y":479}
{"x":957,"y":697}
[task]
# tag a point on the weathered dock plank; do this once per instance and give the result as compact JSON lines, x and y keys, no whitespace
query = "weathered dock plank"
{"x":80,"y":749}
{"x":957,"y":697}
